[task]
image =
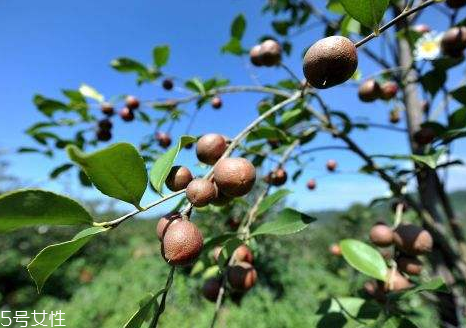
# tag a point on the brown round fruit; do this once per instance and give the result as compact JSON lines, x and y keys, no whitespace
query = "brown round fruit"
{"x":454,"y":41}
{"x":182,"y":243}
{"x":412,"y":240}
{"x":164,"y":139}
{"x":242,"y":276}
{"x":335,"y":249}
{"x":381,"y":235}
{"x":105,"y":124}
{"x":277,"y":177}
{"x":200,"y":192}
{"x":330,"y":61}
{"x":244,"y":254}
{"x":395,"y":116}
{"x":255,"y":55}
{"x":167,"y":84}
{"x":331,"y":165}
{"x":103,"y":135}
{"x":388,"y":90}
{"x":270,"y":52}
{"x":396,"y":281}
{"x":210,"y":147}
{"x":127,"y":114}
{"x":455,"y":4}
{"x":409,"y":265}
{"x":107,"y":109}
{"x":216,"y":102}
{"x":165,"y":222}
{"x":234,"y":177}
{"x":178,"y":178}
{"x":369,"y":90}
{"x":311,"y":184}
{"x":424,"y":136}
{"x":211,"y":289}
{"x":132,"y":102}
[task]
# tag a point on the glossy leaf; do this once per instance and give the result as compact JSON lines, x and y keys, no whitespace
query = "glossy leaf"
{"x":129,"y":65}
{"x":368,"y":12}
{"x":434,"y":285}
{"x":238,"y":27}
{"x":271,"y":200}
{"x":31,"y":207}
{"x":163,"y":165}
{"x":90,"y":92}
{"x":59,"y":170}
{"x":161,"y":55}
{"x":233,"y":47}
{"x":49,"y":106}
{"x":364,"y":258}
{"x":267,"y":132}
{"x":288,"y":221}
{"x":51,"y":257}
{"x":459,"y":94}
{"x":117,"y":171}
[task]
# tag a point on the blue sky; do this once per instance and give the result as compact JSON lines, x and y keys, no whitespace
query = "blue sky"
{"x":48,"y":45}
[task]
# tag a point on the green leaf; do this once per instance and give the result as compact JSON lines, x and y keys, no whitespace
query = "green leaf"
{"x":117,"y":171}
{"x":51,"y":257}
{"x":227,"y":250}
{"x":49,"y":106}
{"x":395,"y":322}
{"x":364,"y":258}
{"x":271,"y":200}
{"x":233,"y":47}
{"x":281,"y":26}
{"x":195,"y":85}
{"x":368,"y":12}
{"x":288,"y":221}
{"x":431,"y":159}
{"x":350,"y":307}
{"x":145,"y":308}
{"x":457,"y":120}
{"x":434,"y":285}
{"x":433,"y":80}
{"x":211,"y":242}
{"x":161,"y":55}
{"x":59,"y":170}
{"x":238,"y":27}
{"x":163,"y":165}
{"x":31,"y":207}
{"x":90,"y":92}
{"x":127,"y":65}
{"x":459,"y":94}
{"x":267,"y":132}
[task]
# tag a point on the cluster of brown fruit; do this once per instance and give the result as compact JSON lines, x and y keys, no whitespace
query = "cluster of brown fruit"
{"x":104,"y":130}
{"x":370,"y":90}
{"x":127,"y":112}
{"x":454,"y":42}
{"x":241,"y":275}
{"x":410,"y":241}
{"x":268,"y":53}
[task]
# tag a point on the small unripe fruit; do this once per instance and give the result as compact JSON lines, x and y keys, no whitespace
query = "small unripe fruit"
{"x":455,"y":4}
{"x":271,"y":53}
{"x":164,"y":139}
{"x":107,"y":109}
{"x":409,"y":265}
{"x":388,"y":90}
{"x":210,"y":148}
{"x":255,"y":55}
{"x":216,"y":102}
{"x":381,"y":235}
{"x":242,"y":276}
{"x":200,"y":192}
{"x":178,"y":178}
{"x":330,"y":61}
{"x":127,"y":114}
{"x":412,"y":240}
{"x":369,"y":91}
{"x":103,"y":135}
{"x":167,"y":84}
{"x":335,"y":249}
{"x":331,"y":165}
{"x":424,"y":136}
{"x":211,"y":289}
{"x":244,"y":254}
{"x":396,"y":281}
{"x":311,"y":184}
{"x":454,"y":41}
{"x":395,"y":117}
{"x":105,"y":124}
{"x":421,"y":28}
{"x":277,"y":177}
{"x":234,"y":177}
{"x":182,"y":243}
{"x":165,"y":222}
{"x":132,"y":102}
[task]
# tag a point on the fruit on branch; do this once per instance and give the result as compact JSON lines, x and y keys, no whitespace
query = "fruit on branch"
{"x":182,"y":243}
{"x":132,"y":102}
{"x":103,"y":135}
{"x":210,"y":147}
{"x":455,"y":4}
{"x":331,"y":165}
{"x":107,"y":109}
{"x":216,"y":102}
{"x":311,"y":184}
{"x":167,"y":84}
{"x":421,"y":28}
{"x":395,"y":116}
{"x":211,"y":289}
{"x":200,"y":192}
{"x":241,"y":276}
{"x":234,"y":177}
{"x":369,"y":90}
{"x":388,"y":90}
{"x":412,"y":240}
{"x":178,"y":178}
{"x":277,"y":177}
{"x":330,"y":61}
{"x":105,"y":124}
{"x":410,"y":265}
{"x":396,"y":281}
{"x":454,"y":41}
{"x":165,"y":221}
{"x":244,"y":254}
{"x":163,"y":139}
{"x":126,"y":114}
{"x":424,"y":136}
{"x":255,"y":55}
{"x":270,"y":53}
{"x":335,"y":249}
{"x":381,"y":235}
{"x":220,"y":199}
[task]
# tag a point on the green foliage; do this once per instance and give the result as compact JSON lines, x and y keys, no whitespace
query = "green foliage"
{"x":233,"y":46}
{"x":146,"y":306}
{"x":90,"y":92}
{"x":288,"y":221}
{"x":161,"y":54}
{"x":271,"y":200}
{"x":367,"y":12}
{"x":22,"y":208}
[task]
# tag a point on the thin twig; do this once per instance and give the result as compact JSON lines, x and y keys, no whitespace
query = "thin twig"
{"x":161,"y":308}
